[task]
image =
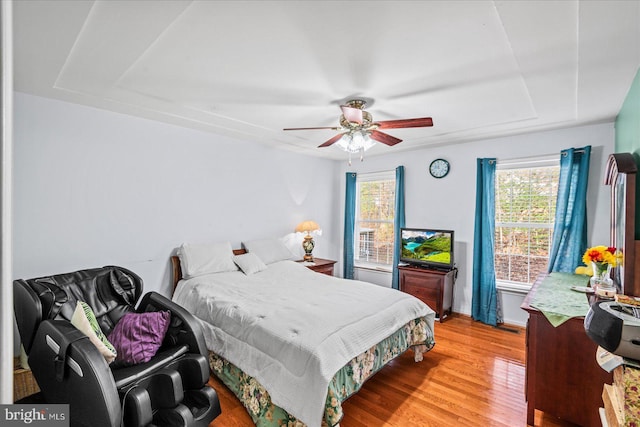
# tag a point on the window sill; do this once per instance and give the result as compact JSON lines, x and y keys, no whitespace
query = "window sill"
{"x":512,"y":287}
{"x":374,"y":267}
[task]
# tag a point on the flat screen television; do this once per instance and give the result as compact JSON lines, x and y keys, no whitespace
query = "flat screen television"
{"x":427,"y":247}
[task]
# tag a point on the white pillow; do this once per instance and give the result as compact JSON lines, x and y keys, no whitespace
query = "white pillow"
{"x":268,"y":250}
{"x":293,"y":242}
{"x":196,"y":260}
{"x":249,"y":263}
{"x":85,"y":321}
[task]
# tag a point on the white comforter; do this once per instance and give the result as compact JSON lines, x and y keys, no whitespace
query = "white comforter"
{"x":292,"y":329}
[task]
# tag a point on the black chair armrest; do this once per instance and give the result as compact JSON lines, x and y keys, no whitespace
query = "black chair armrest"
{"x":184,"y":328}
{"x":87,"y":384}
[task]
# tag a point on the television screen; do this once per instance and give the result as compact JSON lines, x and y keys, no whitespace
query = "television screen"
{"x":427,"y":247}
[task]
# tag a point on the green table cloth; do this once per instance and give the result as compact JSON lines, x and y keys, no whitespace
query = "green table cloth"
{"x":557,"y":301}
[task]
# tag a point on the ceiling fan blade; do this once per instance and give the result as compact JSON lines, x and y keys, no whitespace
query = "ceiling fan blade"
{"x":405,"y":123}
{"x":331,"y":141}
{"x":353,"y":115}
{"x":328,"y":127}
{"x":384,"y":138}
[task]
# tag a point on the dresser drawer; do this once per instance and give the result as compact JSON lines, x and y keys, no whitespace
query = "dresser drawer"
{"x":319,"y":265}
{"x":427,"y":295}
{"x":324,"y":269}
{"x":412,"y":279}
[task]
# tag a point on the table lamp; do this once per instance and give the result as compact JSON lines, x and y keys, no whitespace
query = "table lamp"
{"x":307,"y":243}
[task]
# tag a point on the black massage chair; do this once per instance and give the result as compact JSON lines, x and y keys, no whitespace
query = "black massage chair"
{"x":169,"y":390}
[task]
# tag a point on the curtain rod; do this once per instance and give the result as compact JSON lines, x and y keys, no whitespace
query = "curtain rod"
{"x":374,"y":172}
{"x":540,"y":157}
{"x":577,"y":150}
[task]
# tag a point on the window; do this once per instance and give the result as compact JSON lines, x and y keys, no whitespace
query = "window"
{"x":526,"y":194}
{"x":375,"y":210}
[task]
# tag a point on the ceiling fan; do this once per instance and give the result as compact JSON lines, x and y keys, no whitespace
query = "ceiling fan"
{"x":357,"y":128}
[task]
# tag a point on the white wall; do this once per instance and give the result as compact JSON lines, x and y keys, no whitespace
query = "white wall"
{"x":96,"y":188}
{"x":449,"y":203}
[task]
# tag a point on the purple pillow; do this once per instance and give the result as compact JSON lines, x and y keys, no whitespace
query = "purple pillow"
{"x":138,"y":336}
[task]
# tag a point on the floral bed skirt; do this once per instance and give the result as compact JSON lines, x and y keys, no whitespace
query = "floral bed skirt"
{"x":345,"y":383}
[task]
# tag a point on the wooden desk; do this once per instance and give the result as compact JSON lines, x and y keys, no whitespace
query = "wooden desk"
{"x":563,"y":377}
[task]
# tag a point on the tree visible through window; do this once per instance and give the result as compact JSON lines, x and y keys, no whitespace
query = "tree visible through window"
{"x":375,"y":210}
{"x":525,"y":212}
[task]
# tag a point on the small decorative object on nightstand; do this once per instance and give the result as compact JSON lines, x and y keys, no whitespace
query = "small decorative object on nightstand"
{"x":308,"y":243}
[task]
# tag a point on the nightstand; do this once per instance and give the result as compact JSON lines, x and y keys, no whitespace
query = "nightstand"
{"x":324,"y":266}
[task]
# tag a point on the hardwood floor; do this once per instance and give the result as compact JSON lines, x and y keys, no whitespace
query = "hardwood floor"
{"x":474,"y":376}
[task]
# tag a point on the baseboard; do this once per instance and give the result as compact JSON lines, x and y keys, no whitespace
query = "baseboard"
{"x":510,"y":327}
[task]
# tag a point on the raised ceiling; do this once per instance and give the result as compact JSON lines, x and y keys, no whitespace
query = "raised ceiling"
{"x":248,"y":69}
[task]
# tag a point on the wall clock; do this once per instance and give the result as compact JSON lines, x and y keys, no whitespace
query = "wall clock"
{"x":439,"y":168}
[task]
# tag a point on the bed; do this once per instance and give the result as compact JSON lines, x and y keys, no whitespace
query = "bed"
{"x":293,"y":344}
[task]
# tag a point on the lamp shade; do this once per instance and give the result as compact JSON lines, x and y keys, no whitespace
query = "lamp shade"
{"x":307,"y":226}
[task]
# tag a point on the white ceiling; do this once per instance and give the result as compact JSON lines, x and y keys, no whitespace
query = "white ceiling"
{"x":248,"y":69}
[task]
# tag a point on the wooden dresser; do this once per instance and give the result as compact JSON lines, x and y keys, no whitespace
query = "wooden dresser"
{"x":563,"y":377}
{"x":433,"y":287}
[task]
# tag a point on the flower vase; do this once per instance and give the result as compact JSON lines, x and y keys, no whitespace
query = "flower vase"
{"x":601,"y":281}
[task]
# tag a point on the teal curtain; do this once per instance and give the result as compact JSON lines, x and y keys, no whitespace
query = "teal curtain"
{"x":398,"y":223}
{"x":349,"y":224}
{"x":570,"y":227}
{"x":484,"y":304}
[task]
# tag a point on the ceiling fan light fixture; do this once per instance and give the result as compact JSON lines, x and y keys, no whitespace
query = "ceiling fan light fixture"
{"x":367,"y":142}
{"x":343,"y":143}
{"x":355,"y":142}
{"x":358,"y":131}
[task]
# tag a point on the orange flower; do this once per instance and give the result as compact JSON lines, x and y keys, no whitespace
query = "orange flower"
{"x":600,"y":254}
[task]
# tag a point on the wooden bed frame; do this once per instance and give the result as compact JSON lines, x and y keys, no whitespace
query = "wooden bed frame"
{"x":176,"y":270}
